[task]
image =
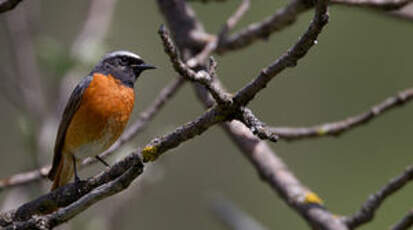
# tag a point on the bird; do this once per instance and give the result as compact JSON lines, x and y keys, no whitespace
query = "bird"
{"x":96,"y":113}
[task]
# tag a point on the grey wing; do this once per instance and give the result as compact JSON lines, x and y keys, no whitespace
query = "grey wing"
{"x":71,"y":107}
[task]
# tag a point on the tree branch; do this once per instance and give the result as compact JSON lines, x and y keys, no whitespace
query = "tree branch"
{"x":405,"y":223}
{"x":368,"y":209}
{"x":256,"y":126}
{"x":329,"y":129}
{"x":262,"y":30}
{"x":406,"y":14}
{"x":271,"y":168}
{"x":288,"y":59}
{"x":222,"y":35}
{"x":221,"y":113}
{"x":288,"y":15}
{"x":201,"y":77}
{"x":6,"y":5}
{"x":73,"y":197}
{"x":376,"y":4}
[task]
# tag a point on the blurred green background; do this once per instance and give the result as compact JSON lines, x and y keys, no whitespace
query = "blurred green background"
{"x":361,"y":58}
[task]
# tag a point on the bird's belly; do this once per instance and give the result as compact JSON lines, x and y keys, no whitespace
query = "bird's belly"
{"x":95,"y":145}
{"x":100,"y":119}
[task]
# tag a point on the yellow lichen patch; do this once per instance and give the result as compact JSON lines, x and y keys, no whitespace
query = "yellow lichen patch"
{"x":321,"y":131}
{"x":336,"y":216}
{"x":220,"y":117}
{"x":149,"y":153}
{"x":312,"y":198}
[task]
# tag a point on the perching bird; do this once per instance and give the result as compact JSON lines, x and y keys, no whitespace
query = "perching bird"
{"x":96,"y":113}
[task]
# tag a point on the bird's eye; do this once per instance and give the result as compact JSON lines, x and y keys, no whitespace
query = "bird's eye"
{"x":123,"y":61}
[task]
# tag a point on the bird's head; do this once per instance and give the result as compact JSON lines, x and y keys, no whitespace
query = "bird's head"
{"x":123,"y":65}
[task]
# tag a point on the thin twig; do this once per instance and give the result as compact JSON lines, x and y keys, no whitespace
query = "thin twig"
{"x":262,"y":30}
{"x":186,"y":72}
{"x":228,"y":26}
{"x":376,"y":4}
{"x":405,"y":13}
{"x":271,"y":168}
{"x":24,"y":178}
{"x":72,"y":198}
{"x":368,"y":209}
{"x":275,"y":172}
{"x":234,"y":19}
{"x":288,"y":59}
{"x":339,"y":127}
{"x":287,"y":15}
{"x":256,"y":126}
{"x":6,"y":5}
{"x":405,"y":223}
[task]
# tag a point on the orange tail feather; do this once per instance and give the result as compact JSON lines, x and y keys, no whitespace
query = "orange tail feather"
{"x":64,"y":172}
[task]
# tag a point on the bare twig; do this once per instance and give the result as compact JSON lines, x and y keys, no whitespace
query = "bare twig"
{"x":256,"y":126}
{"x":243,"y":96}
{"x":201,"y":77}
{"x":191,"y":32}
{"x":234,"y":19}
{"x":213,"y":44}
{"x":376,"y":4}
{"x":262,"y":30}
{"x":405,"y":13}
{"x":405,"y":223}
{"x":339,"y":127}
{"x":288,"y":14}
{"x":73,"y":198}
{"x":368,"y":209}
{"x":24,"y":178}
{"x":137,"y":127}
{"x":271,"y":168}
{"x":6,"y":5}
{"x":120,"y":205}
{"x":288,"y":59}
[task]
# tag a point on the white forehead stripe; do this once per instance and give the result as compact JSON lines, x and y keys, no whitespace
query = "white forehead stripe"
{"x":121,"y":53}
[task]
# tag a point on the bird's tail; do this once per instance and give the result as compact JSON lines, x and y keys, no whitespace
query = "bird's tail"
{"x":65,"y":171}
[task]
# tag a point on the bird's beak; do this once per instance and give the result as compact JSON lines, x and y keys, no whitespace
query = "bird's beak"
{"x":145,"y":67}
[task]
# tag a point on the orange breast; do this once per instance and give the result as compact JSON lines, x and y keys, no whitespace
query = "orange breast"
{"x":102,"y":115}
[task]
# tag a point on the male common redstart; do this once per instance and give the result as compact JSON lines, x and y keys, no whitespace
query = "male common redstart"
{"x":96,"y":114}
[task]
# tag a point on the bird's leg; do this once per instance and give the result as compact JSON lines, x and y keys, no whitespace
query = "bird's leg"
{"x":101,"y":160}
{"x":77,"y":179}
